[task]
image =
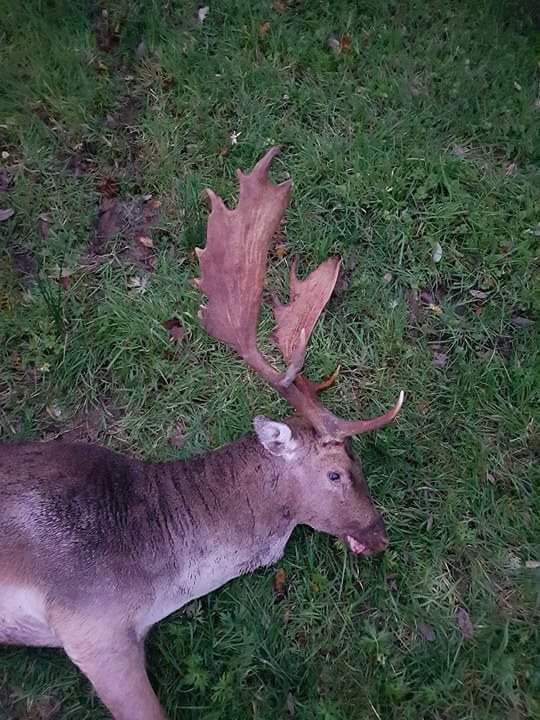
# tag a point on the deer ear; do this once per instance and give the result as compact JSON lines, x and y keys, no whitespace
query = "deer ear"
{"x":275,"y":437}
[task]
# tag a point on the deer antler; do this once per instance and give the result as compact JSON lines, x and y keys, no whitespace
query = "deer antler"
{"x":233,"y":268}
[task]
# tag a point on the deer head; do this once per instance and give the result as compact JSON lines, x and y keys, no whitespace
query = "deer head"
{"x":311,"y":449}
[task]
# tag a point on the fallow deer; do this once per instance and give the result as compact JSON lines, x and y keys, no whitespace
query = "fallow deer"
{"x":96,"y":547}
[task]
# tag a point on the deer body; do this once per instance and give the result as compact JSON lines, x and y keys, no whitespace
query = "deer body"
{"x":96,"y":547}
{"x":98,"y":529}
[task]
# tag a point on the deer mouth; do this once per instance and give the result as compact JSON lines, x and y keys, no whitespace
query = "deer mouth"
{"x":366,"y":548}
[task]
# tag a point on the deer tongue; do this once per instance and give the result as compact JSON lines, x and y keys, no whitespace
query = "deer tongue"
{"x":356,"y":547}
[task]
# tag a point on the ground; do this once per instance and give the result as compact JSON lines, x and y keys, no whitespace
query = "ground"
{"x":411,"y":132}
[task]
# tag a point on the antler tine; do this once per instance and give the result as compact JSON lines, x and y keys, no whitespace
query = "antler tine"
{"x":294,"y":322}
{"x":233,"y":268}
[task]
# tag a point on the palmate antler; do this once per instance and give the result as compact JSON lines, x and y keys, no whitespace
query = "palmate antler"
{"x":233,"y":268}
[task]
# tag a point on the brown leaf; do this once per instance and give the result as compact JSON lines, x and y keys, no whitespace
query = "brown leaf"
{"x":176,"y":437}
{"x":345,"y":43}
{"x":464,"y":623}
{"x":426,"y":631}
{"x":108,"y":187}
{"x":108,"y":220}
{"x":280,"y":251}
{"x":278,"y":585}
{"x":263,"y":28}
{"x":6,"y":214}
{"x":175,"y":329}
{"x":43,"y":226}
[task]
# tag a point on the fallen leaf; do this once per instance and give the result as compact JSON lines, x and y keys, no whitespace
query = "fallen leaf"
{"x":43,"y":226}
{"x":521,"y":321}
{"x":464,"y":623}
{"x":387,"y":278}
{"x":146,"y":241}
{"x":175,"y":329}
{"x":435,"y":309}
{"x":517,"y":86}
{"x":280,"y":251}
{"x":279,"y":6}
{"x":479,"y":294}
{"x":345,"y":43}
{"x":439,"y":359}
{"x":263,"y":28}
{"x":140,"y":51}
{"x":333,"y":42}
{"x":202,"y":12}
{"x":5,"y":155}
{"x":278,"y":585}
{"x":176,"y":437}
{"x":108,"y":187}
{"x":6,"y":214}
{"x":426,"y":631}
{"x":108,"y":220}
{"x":532,"y":564}
{"x":290,"y":704}
{"x":437,"y":253}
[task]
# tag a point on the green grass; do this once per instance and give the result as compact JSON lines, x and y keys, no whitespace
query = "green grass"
{"x":402,"y":141}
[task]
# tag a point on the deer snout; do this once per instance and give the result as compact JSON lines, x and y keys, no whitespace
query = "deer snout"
{"x":370,"y":540}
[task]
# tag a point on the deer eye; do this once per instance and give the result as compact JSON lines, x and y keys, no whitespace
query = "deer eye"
{"x":334,"y":476}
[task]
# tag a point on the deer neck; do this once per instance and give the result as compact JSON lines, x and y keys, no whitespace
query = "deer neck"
{"x":222,"y":514}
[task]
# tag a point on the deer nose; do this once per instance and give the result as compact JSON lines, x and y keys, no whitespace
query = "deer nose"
{"x":378,"y":539}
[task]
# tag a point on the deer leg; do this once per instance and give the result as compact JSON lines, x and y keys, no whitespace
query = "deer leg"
{"x":114,"y":664}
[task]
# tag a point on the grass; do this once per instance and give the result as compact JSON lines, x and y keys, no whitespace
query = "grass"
{"x":425,"y":130}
